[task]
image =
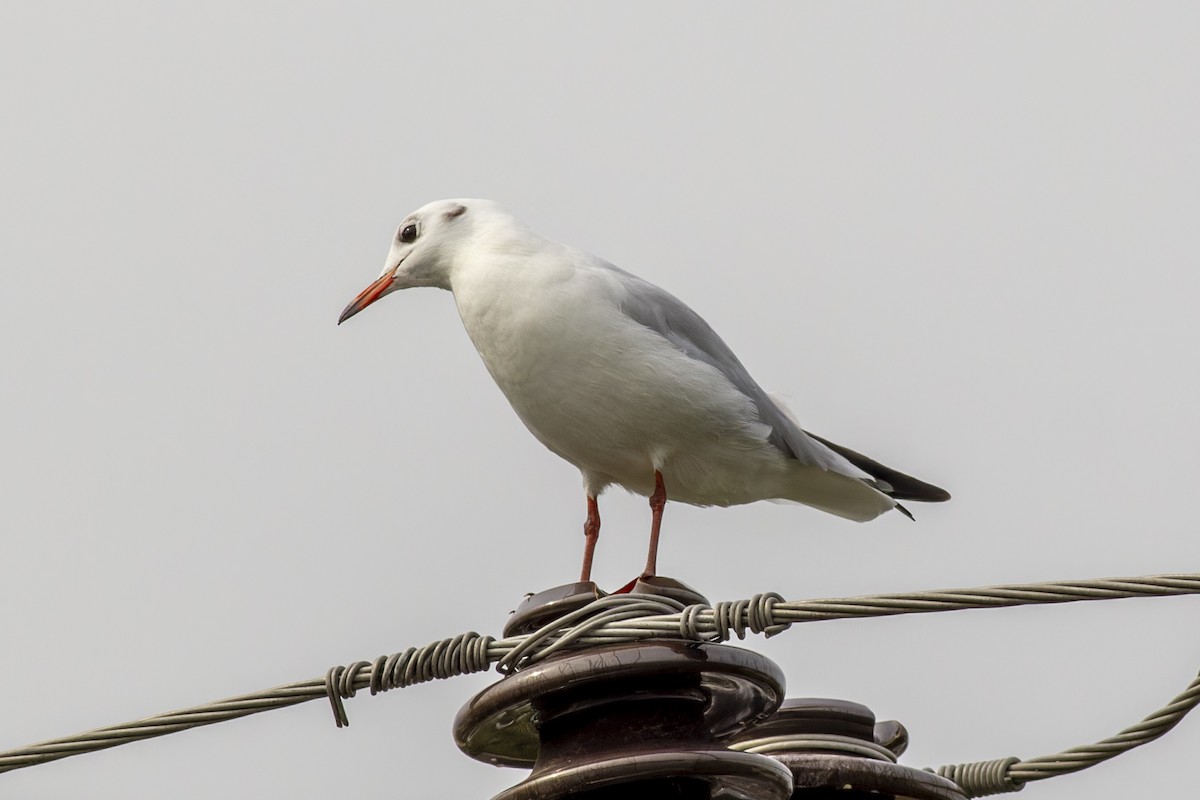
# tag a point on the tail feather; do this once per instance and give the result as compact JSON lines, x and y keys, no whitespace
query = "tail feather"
{"x":902,"y":487}
{"x":834,"y":493}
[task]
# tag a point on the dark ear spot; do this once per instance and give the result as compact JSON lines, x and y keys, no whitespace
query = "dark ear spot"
{"x":457,"y":211}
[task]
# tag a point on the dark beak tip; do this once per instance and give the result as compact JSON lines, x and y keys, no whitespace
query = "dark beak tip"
{"x":369,"y":295}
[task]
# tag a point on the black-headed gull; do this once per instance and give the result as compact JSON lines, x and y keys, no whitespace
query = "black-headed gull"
{"x":621,"y":379}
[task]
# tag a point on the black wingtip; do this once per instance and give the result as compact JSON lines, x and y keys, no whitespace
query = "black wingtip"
{"x":905,"y":512}
{"x":903,"y":487}
{"x":936,"y":494}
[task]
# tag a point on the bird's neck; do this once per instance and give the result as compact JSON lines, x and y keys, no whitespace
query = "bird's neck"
{"x":501,"y":296}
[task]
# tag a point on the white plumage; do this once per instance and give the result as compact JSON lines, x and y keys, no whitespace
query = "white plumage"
{"x":619,"y":377}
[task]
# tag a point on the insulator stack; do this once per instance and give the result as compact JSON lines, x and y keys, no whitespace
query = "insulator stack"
{"x":835,"y":749}
{"x":667,"y":719}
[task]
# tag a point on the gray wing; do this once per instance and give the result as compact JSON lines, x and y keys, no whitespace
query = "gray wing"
{"x":666,"y":315}
{"x":670,"y":317}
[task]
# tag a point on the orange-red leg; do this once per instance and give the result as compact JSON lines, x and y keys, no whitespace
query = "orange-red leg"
{"x":657,"y":501}
{"x":591,"y":534}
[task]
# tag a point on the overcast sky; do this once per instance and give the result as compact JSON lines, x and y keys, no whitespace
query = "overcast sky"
{"x":961,"y":238}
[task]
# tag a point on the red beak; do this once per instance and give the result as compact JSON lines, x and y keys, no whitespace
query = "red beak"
{"x":369,"y":295}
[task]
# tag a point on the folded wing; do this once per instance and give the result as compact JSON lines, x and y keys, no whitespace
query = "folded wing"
{"x":672,"y":319}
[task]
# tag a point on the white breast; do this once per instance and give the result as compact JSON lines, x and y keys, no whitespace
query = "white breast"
{"x":607,"y":394}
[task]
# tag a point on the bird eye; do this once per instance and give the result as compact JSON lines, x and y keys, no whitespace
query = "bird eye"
{"x":408,"y":234}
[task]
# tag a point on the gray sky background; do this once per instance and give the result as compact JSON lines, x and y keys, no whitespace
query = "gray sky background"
{"x":959,"y":237}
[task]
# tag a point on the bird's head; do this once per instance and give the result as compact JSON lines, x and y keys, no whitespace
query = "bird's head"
{"x":427,"y":245}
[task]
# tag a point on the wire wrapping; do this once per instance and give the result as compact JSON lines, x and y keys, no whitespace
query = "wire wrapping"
{"x":816,"y":742}
{"x":600,"y":614}
{"x":629,"y":618}
{"x":445,"y":658}
{"x":756,"y":614}
{"x":983,"y":778}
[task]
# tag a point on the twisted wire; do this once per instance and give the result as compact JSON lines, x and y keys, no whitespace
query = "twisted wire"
{"x":638,"y":617}
{"x":982,"y":778}
{"x":604,"y":613}
{"x":756,"y":615}
{"x":162,"y":724}
{"x":445,"y":658}
{"x":816,"y":742}
{"x":1147,"y":730}
{"x":989,"y":597}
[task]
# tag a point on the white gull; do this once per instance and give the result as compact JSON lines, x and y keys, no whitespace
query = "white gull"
{"x":622,"y":379}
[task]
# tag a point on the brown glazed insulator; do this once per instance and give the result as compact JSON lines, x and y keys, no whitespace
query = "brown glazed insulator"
{"x":630,"y":721}
{"x":822,"y":732}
